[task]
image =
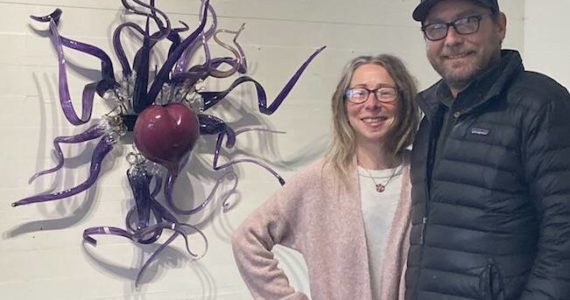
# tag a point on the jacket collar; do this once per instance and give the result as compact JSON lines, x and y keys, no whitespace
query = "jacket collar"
{"x":486,"y":86}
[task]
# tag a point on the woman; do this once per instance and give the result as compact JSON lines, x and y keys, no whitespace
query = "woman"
{"x":348,"y":213}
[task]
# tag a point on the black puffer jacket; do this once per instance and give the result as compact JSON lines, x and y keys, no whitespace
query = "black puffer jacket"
{"x":492,"y":221}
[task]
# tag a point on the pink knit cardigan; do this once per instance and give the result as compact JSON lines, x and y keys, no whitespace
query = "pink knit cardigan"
{"x":317,"y":215}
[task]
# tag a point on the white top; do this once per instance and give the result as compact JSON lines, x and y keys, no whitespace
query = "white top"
{"x":378,"y":211}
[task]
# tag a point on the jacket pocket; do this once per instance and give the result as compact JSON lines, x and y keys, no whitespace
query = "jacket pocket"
{"x":491,"y":283}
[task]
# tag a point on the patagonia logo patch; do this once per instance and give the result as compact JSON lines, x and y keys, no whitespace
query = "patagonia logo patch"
{"x":479,"y":131}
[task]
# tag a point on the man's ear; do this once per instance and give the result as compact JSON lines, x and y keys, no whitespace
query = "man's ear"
{"x":502,"y":25}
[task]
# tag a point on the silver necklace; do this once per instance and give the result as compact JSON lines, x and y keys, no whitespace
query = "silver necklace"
{"x":380,"y":187}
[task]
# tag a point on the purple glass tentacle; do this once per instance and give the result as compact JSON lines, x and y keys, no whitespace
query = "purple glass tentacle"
{"x":182,"y":63}
{"x":237,"y":52}
{"x":212,"y":65}
{"x":55,"y":15}
{"x":184,"y":27}
{"x":218,"y":61}
{"x":152,"y":8}
{"x":154,"y":12}
{"x":212,"y":193}
{"x":118,"y":46}
{"x":227,"y":194}
{"x":179,"y":227}
{"x":216,"y":167}
{"x":140,"y":101}
{"x":212,"y":98}
{"x":253,"y":161}
{"x":207,"y":53}
{"x":211,"y":125}
{"x":151,"y":237}
{"x":190,"y":77}
{"x":99,"y":87}
{"x":174,"y":37}
{"x":159,"y":215}
{"x":214,"y":72}
{"x":256,"y":128}
{"x":91,"y":133}
{"x":106,"y":64}
{"x":164,"y":71}
{"x":153,"y":256}
{"x":164,"y":30}
{"x":64,"y":96}
{"x":250,"y":160}
{"x":214,"y":125}
{"x":162,"y":211}
{"x":242,"y":61}
{"x":178,"y":230}
{"x":141,"y":233}
{"x":168,"y":188}
{"x":219,"y":181}
{"x":157,"y":186}
{"x":89,"y":90}
{"x":104,"y":230}
{"x":101,"y":150}
{"x":131,"y":222}
{"x":263,"y":108}
{"x":151,"y":15}
{"x":214,"y":19}
{"x":139,"y":180}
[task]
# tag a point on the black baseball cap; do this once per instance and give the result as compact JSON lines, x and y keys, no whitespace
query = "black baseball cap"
{"x":422,"y":10}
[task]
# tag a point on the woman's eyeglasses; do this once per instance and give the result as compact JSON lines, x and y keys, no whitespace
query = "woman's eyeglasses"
{"x":359,"y":95}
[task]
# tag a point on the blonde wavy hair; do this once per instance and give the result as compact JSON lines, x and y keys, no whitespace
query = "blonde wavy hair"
{"x":401,"y":134}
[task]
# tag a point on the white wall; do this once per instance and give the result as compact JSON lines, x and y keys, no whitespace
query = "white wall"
{"x":42,"y":256}
{"x":546,"y":40}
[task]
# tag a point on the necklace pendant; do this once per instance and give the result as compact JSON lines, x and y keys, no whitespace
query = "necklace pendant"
{"x":380,"y":187}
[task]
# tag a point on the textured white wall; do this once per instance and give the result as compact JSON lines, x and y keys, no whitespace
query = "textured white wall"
{"x":546,"y":38}
{"x":41,"y":253}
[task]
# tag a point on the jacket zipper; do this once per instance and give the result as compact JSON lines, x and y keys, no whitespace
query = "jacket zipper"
{"x":432,"y":144}
{"x":430,"y":164}
{"x":423,"y":231}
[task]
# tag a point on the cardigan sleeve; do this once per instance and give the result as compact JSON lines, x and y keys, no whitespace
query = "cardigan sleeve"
{"x":253,"y":241}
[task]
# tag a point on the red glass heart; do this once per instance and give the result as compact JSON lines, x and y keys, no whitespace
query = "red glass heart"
{"x":166,"y":134}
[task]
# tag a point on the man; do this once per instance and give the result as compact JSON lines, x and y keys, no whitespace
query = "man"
{"x":490,"y":166}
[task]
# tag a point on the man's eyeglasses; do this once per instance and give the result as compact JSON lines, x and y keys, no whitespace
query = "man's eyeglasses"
{"x":465,"y":25}
{"x":359,"y":95}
